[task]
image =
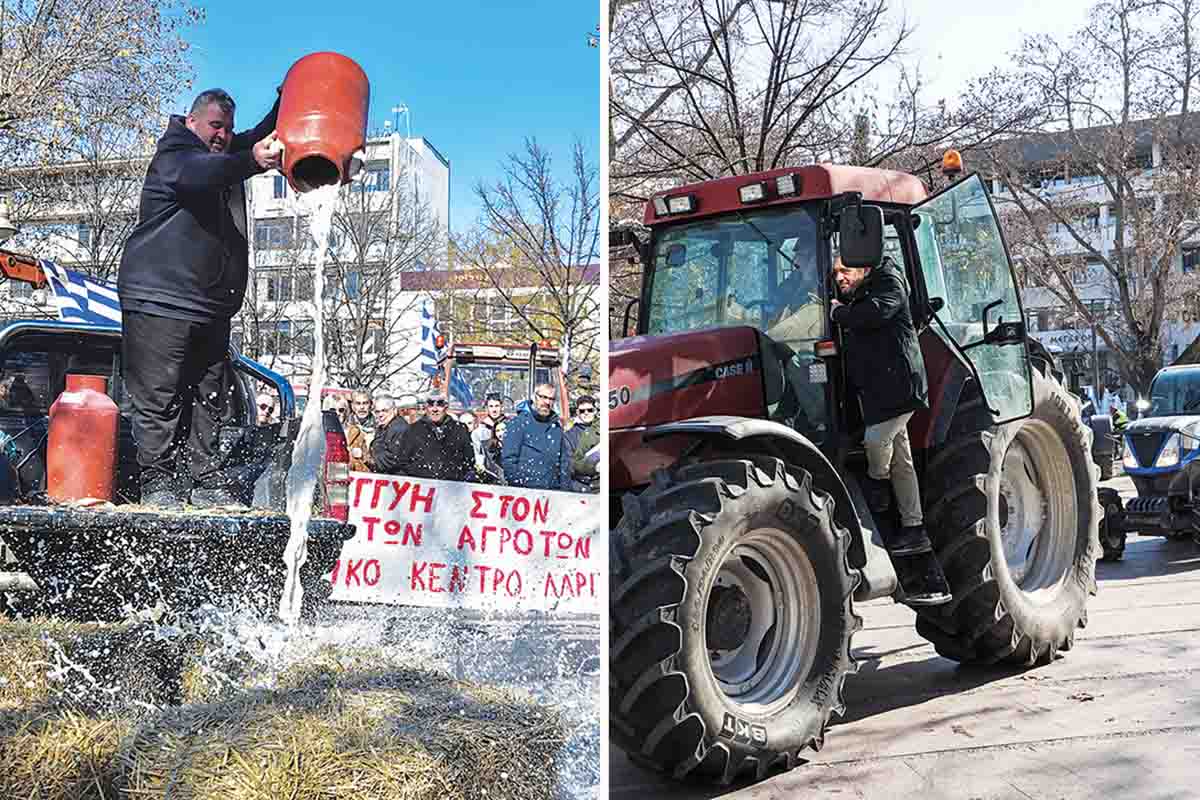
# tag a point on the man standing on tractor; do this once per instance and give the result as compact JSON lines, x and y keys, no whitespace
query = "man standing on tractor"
{"x":885,"y":365}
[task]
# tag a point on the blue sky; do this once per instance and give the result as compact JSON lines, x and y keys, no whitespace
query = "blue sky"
{"x":478,"y":76}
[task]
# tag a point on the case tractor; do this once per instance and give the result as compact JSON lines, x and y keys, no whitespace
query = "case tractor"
{"x":743,"y":538}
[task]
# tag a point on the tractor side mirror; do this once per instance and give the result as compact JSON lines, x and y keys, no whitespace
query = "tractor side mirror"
{"x":860,"y":236}
{"x":626,"y":237}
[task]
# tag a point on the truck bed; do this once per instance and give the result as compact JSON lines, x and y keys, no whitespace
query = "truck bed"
{"x":90,"y":563}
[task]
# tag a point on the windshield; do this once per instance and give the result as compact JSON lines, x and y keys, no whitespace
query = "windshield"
{"x":470,"y":384}
{"x":1176,"y":392}
{"x":756,"y":268}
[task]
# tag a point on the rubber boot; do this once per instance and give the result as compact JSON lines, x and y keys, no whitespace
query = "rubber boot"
{"x":162,"y":488}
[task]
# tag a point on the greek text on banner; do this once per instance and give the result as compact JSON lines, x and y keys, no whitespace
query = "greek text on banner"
{"x":464,"y":545}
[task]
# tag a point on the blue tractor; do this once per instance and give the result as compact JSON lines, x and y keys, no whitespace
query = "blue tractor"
{"x":1162,"y":456}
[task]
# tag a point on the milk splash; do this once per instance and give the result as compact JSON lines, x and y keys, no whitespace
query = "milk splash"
{"x":308,"y":454}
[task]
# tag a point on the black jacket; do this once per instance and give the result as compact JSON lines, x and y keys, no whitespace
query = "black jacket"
{"x":186,"y":257}
{"x":882,"y":356}
{"x":385,"y":447}
{"x":440,"y":452}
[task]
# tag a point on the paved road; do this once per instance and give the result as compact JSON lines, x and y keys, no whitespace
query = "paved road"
{"x":1117,"y":717}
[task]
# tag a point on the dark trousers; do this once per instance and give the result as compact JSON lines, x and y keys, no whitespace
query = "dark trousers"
{"x":177,"y":378}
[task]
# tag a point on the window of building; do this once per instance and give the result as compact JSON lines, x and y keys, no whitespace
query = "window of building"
{"x":273,"y":234}
{"x":20,"y":290}
{"x":304,"y":285}
{"x":280,"y":187}
{"x":353,"y":285}
{"x":1191,"y":258}
{"x":85,"y":236}
{"x":279,"y":288}
{"x":377,"y":177}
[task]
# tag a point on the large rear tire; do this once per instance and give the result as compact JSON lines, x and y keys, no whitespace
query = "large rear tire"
{"x":1014,"y":520}
{"x":730,"y":619}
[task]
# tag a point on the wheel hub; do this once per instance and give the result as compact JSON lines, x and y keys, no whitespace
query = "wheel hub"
{"x":763,"y":620}
{"x":728,"y":618}
{"x":1024,"y":500}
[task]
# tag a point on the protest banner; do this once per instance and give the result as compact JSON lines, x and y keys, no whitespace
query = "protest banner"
{"x":464,"y":545}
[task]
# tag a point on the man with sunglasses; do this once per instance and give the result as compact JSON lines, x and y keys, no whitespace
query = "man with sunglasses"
{"x":266,"y":409}
{"x":436,"y":446}
{"x":535,"y":454}
{"x":584,"y":436}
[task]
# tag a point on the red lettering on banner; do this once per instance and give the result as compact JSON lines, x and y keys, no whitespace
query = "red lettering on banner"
{"x":337,"y":566}
{"x":570,"y":584}
{"x":583,"y":547}
{"x":483,"y":571}
{"x":458,"y":578}
{"x":352,"y":568}
{"x":379,"y":484}
{"x":371,"y":523}
{"x":508,"y":584}
{"x":415,"y":578}
{"x":367,"y":575}
{"x":413,"y":533}
{"x":400,"y":491}
{"x":417,"y":498}
{"x":528,"y":539}
{"x":505,"y":499}
{"x":392,"y":529}
{"x":541,"y":509}
{"x":434,"y":578}
{"x":479,"y":497}
{"x":505,"y":538}
{"x":483,"y":534}
{"x":520,"y":508}
{"x":358,"y":487}
{"x":465,"y":537}
{"x":548,"y":537}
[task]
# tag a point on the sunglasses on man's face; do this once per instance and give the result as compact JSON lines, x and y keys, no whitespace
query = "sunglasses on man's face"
{"x":264,"y":406}
{"x":587,"y":411}
{"x":435,"y":402}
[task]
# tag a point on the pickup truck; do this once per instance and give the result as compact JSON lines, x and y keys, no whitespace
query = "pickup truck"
{"x":98,"y":563}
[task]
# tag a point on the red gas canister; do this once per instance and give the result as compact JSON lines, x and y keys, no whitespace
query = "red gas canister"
{"x":322,"y":119}
{"x":81,"y":454}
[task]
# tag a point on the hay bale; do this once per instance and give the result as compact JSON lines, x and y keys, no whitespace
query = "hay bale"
{"x":89,"y":666}
{"x":58,"y":755}
{"x":336,"y":730}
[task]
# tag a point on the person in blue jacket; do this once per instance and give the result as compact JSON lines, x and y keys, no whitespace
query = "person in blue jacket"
{"x":535,"y":454}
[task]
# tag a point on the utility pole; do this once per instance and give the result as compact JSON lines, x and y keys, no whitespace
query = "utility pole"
{"x":1094,"y":308}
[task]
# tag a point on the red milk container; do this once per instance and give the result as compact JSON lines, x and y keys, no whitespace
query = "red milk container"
{"x":322,"y":119}
{"x":81,"y":455}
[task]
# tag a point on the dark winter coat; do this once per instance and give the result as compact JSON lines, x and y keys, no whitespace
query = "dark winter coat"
{"x":535,"y":454}
{"x":385,"y":447}
{"x":586,"y":473}
{"x":187,"y":256}
{"x":882,"y":356}
{"x":441,"y":452}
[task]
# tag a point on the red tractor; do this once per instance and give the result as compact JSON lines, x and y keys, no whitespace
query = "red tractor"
{"x":469,"y":372}
{"x":742,"y":537}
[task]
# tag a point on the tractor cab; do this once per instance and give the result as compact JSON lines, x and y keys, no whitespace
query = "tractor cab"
{"x":469,"y":372}
{"x":737,"y":291}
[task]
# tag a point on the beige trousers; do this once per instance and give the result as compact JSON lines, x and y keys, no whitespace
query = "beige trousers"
{"x":889,"y":456}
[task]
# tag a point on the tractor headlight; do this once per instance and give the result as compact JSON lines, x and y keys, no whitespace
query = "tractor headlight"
{"x":1130,"y":460}
{"x":1169,"y":455}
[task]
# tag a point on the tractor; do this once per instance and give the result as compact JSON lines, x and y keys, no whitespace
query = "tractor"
{"x":742,"y":536}
{"x":467,"y":372}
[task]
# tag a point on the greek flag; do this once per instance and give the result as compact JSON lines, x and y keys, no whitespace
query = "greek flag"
{"x":460,"y":390}
{"x":429,"y":334}
{"x":80,"y":298}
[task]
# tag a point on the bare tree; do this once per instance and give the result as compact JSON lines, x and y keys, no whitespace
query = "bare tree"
{"x":70,"y":64}
{"x":379,"y":238}
{"x":1126,"y":197}
{"x":537,"y":247}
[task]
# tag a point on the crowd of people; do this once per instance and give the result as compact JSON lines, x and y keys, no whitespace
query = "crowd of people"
{"x":532,"y":449}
